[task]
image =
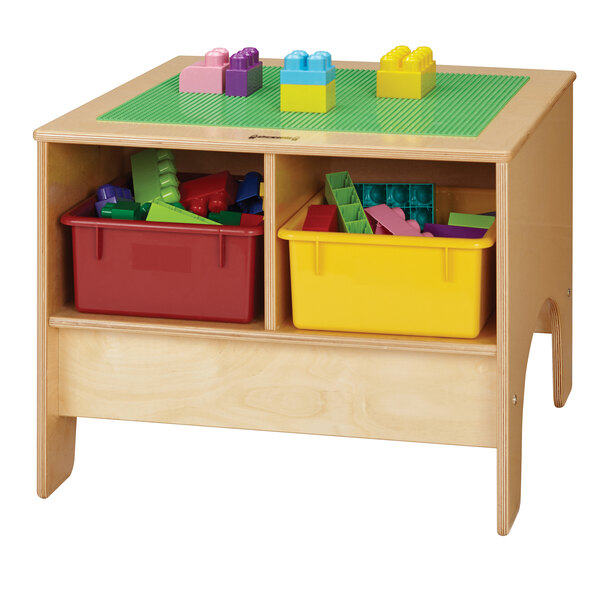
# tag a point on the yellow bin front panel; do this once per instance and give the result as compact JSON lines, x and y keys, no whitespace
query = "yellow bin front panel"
{"x":390,"y":284}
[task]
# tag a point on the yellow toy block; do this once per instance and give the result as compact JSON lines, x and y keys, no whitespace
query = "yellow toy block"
{"x":406,"y":74}
{"x":307,"y":98}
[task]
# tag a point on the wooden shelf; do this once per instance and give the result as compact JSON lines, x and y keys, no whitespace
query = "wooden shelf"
{"x":484,"y":345}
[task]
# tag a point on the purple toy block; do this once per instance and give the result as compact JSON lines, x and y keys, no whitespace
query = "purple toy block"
{"x":206,"y":76}
{"x":244,"y":76}
{"x":454,"y":231}
{"x":108,"y":191}
{"x":111,"y":194}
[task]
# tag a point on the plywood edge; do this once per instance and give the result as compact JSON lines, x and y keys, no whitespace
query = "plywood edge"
{"x":350,"y":148}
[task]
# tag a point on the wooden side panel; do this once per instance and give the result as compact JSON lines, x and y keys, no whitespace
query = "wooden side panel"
{"x":290,"y":182}
{"x":534,"y":276}
{"x":66,"y":175}
{"x":296,"y":388}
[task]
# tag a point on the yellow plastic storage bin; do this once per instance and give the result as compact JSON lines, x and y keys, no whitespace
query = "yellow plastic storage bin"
{"x":390,"y":284}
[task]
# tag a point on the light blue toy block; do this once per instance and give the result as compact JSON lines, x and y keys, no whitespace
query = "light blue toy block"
{"x":302,"y":69}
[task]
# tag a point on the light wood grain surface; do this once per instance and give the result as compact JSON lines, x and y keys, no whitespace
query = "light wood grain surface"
{"x":66,"y":174}
{"x":534,"y":276}
{"x":442,"y":398}
{"x":69,"y":318}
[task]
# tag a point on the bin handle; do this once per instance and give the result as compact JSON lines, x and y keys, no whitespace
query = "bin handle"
{"x":446,"y":277}
{"x":221,"y":250}
{"x":99,"y":243}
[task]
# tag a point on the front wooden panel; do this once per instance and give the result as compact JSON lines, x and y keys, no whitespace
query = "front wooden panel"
{"x":294,"y":388}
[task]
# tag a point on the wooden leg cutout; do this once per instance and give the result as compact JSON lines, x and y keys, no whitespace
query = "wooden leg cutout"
{"x":562,"y":340}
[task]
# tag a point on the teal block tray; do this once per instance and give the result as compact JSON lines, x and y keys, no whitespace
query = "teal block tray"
{"x":417,"y":200}
{"x":460,"y":105}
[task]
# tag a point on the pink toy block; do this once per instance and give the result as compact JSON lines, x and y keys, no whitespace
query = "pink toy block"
{"x":206,"y":76}
{"x":392,"y":221}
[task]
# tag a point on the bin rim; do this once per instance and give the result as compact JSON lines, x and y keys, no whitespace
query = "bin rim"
{"x":74,"y":218}
{"x":292,"y":230}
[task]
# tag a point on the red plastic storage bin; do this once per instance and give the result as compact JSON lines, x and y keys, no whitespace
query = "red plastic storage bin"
{"x":204,"y":272}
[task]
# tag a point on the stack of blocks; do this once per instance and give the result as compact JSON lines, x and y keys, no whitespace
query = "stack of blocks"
{"x":240,"y":75}
{"x":406,"y":74}
{"x":307,"y":82}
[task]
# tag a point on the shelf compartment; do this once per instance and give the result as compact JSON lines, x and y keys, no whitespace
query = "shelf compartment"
{"x":73,"y":172}
{"x":295,"y":181}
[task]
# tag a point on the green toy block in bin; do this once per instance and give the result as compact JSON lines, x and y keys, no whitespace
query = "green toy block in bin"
{"x":125,"y":210}
{"x":154,"y":176}
{"x":163,"y":212}
{"x":226,"y":217}
{"x":340,"y":191}
{"x":465,"y":220}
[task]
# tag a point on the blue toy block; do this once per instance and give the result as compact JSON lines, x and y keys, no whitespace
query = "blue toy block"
{"x":302,"y":69}
{"x":111,"y":194}
{"x":248,"y":198}
{"x":417,"y":200}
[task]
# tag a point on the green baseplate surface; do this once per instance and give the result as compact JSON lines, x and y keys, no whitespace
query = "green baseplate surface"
{"x":460,"y":105}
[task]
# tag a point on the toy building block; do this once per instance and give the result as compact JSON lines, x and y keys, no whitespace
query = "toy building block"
{"x":465,"y":220}
{"x":454,"y":231}
{"x":226,"y":217}
{"x":154,"y":176}
{"x":394,"y":221}
{"x":307,"y":82}
{"x":301,"y":69}
{"x":417,"y":200}
{"x":321,"y":217}
{"x":126,"y":210}
{"x":248,"y":220}
{"x":111,"y":194}
{"x":406,"y":74}
{"x":206,"y":76}
{"x":308,"y":98}
{"x":212,"y":193}
{"x":248,"y":198}
{"x":163,"y":212}
{"x":340,"y":191}
{"x":245,"y":73}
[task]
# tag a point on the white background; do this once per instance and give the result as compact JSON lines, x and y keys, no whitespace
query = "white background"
{"x":157,"y":511}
